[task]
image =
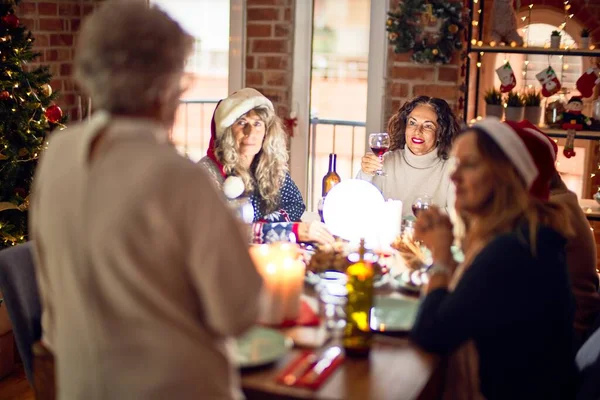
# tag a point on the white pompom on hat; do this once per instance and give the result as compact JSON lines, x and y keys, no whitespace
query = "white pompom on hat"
{"x":237,"y":104}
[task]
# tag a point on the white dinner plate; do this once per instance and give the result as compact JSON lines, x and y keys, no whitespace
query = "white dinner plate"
{"x":261,"y":346}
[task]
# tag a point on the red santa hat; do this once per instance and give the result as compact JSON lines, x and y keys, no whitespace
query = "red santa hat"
{"x":228,"y":111}
{"x":531,"y":152}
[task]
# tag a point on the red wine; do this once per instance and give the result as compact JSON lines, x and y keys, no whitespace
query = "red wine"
{"x":379,"y":151}
{"x":417,"y":208}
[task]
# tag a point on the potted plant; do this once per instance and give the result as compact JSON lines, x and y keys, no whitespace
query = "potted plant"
{"x":585,"y":38}
{"x":555,"y":40}
{"x":533,"y":112}
{"x":493,"y":103}
{"x":514,"y":107}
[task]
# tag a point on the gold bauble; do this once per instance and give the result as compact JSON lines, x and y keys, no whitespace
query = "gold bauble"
{"x":46,"y":89}
{"x":435,"y":52}
{"x":453,"y":29}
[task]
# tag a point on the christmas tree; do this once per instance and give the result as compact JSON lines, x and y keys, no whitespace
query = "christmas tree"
{"x":27,"y":114}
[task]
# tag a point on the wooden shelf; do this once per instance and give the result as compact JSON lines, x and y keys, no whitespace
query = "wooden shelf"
{"x":561,"y":133}
{"x":535,"y":50}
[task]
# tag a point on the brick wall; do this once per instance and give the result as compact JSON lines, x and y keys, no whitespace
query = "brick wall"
{"x":269,"y":47}
{"x":407,"y":79}
{"x":54,"y":25}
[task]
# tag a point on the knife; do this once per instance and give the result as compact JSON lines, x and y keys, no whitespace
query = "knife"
{"x":292,"y":377}
{"x":325,"y":362}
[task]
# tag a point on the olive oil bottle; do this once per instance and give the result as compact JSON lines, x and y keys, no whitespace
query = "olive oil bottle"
{"x":357,"y":333}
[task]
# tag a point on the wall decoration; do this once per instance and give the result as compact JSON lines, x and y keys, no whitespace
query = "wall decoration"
{"x":432,"y":29}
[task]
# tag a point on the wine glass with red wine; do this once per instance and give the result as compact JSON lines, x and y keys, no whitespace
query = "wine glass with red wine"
{"x":379,"y":144}
{"x":422,"y":202}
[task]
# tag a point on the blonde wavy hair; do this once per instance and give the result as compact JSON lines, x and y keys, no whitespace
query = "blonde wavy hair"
{"x":269,"y":166}
{"x":510,"y":204}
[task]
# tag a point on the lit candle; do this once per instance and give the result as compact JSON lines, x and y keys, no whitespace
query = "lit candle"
{"x":79,"y":109}
{"x":283,"y":277}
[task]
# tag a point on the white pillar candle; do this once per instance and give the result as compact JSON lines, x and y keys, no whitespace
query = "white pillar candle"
{"x":283,"y":278}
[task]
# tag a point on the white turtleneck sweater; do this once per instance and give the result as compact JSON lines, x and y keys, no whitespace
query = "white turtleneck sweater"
{"x":409,"y":176}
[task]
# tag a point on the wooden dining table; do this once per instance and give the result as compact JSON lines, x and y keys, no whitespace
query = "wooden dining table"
{"x":395,"y":369}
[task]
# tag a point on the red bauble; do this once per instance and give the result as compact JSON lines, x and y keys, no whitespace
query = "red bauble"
{"x":53,"y":113}
{"x":11,"y":21}
{"x":4,"y":95}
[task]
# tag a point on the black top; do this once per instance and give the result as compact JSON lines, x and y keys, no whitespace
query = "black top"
{"x":518,"y":310}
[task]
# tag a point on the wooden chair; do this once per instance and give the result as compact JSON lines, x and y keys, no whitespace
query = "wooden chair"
{"x":44,"y":381}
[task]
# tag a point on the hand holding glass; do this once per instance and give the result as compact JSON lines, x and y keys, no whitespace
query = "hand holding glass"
{"x":422,"y":202}
{"x":379,"y":144}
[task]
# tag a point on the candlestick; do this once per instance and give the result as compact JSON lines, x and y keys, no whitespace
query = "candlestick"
{"x":283,"y":277}
{"x":79,"y":109}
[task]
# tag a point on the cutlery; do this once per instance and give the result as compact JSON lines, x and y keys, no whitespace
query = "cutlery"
{"x":292,"y":377}
{"x":325,"y":362}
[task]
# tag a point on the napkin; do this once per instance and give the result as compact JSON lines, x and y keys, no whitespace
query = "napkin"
{"x":305,"y":379}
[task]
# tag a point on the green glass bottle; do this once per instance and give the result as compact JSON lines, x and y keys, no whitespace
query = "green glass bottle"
{"x":357,"y":333}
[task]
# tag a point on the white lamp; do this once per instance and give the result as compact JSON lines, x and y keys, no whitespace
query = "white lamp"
{"x":354,"y":209}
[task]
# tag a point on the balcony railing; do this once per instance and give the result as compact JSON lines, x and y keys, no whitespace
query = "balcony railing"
{"x":191,"y":132}
{"x":342,"y":137}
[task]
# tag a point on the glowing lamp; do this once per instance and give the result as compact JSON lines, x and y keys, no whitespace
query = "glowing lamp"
{"x":354,"y":209}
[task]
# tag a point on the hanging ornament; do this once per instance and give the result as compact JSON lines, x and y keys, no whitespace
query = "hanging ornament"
{"x":11,"y":21}
{"x":507,"y":78}
{"x":569,"y":149}
{"x":549,"y":81}
{"x":53,"y":114}
{"x":46,"y":89}
{"x":588,"y":81}
{"x":4,"y":95}
{"x":290,"y":123}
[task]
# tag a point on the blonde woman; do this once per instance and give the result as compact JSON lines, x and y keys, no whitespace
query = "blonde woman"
{"x":248,"y":141}
{"x":509,"y":306}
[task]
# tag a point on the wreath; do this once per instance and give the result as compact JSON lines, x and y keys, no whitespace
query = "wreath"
{"x":432,"y":29}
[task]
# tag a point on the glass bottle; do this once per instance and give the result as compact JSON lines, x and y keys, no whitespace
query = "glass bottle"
{"x":357,"y":333}
{"x":331,"y":178}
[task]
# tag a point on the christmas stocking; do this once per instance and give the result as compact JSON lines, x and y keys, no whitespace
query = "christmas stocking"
{"x":569,"y":150}
{"x":549,"y":81}
{"x":507,"y":78}
{"x":587,"y":82}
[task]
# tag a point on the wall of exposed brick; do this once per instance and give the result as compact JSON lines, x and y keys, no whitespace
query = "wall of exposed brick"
{"x":407,"y":79}
{"x":54,"y":25}
{"x":269,"y":47}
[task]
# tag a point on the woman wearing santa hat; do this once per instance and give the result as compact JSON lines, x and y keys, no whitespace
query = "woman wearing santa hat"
{"x":506,"y":313}
{"x":248,"y":149}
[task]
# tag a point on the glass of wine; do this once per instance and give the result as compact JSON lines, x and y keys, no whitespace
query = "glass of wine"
{"x":422,"y":202}
{"x":379,"y":144}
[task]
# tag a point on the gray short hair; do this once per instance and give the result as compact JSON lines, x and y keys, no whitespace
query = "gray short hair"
{"x":131,"y":57}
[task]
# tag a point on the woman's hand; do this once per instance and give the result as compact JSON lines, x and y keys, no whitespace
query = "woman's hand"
{"x":434,"y":229}
{"x":370,"y":163}
{"x":314,"y":231}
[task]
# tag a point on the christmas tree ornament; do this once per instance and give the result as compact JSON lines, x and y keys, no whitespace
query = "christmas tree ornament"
{"x":588,"y":81}
{"x":504,"y":23}
{"x":549,"y":81}
{"x":10,"y":20}
{"x":46,"y":89}
{"x":233,"y":187}
{"x":573,"y":118}
{"x":507,"y":78}
{"x":4,"y":95}
{"x":53,"y":114}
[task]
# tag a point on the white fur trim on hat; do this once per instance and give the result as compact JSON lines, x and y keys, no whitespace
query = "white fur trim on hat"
{"x":512,"y":145}
{"x":236,"y":105}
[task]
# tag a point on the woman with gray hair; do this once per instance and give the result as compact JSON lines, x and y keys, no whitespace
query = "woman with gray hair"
{"x":139,"y":291}
{"x":248,"y":145}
